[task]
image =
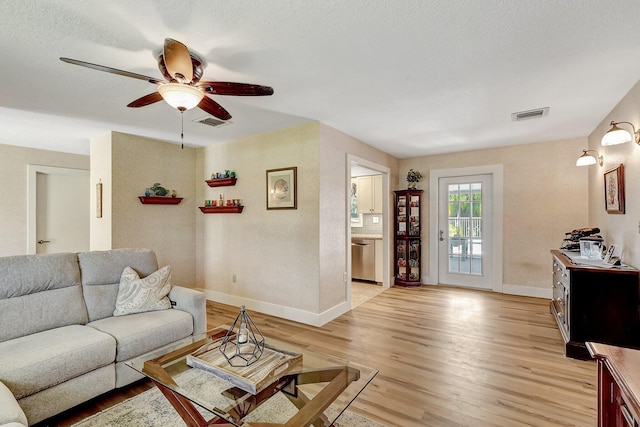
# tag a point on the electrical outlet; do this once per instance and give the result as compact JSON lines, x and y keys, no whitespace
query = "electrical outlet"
{"x":234,"y":278}
{"x":345,"y":277}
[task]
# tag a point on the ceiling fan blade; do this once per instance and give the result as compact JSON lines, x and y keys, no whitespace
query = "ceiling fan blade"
{"x":112,"y":70}
{"x":237,"y":89}
{"x":178,"y":61}
{"x":213,"y":108}
{"x":146,"y":100}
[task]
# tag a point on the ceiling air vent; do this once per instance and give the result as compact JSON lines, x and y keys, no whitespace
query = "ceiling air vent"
{"x":530,"y":114}
{"x":213,"y":122}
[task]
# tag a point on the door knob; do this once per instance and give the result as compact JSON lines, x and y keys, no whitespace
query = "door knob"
{"x":42,"y":242}
{"x":441,"y":234}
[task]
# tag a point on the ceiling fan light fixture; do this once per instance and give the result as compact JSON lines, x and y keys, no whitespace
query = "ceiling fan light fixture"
{"x":181,"y":96}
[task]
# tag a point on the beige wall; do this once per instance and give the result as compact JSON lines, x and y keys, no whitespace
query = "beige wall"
{"x":545,"y":196}
{"x":289,"y":263}
{"x":619,"y":230}
{"x":13,"y":190}
{"x":334,"y":148}
{"x":273,"y":253}
{"x":101,"y":172}
{"x":127,"y":164}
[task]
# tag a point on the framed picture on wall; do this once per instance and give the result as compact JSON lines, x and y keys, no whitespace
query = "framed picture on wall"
{"x":614,"y":190}
{"x":281,"y":188}
{"x":99,"y":199}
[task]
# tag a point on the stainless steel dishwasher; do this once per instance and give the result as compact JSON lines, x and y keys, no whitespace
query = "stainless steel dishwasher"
{"x":363,"y":257}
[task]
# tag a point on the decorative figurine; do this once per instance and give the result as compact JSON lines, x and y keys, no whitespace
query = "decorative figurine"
{"x":147,"y":192}
{"x":158,"y":190}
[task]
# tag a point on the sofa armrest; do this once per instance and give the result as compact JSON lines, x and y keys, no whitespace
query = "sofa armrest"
{"x":11,"y":414}
{"x":193,"y":302}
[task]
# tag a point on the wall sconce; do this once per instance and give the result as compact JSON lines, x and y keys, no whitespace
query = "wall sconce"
{"x":587,"y":159}
{"x":617,"y":135}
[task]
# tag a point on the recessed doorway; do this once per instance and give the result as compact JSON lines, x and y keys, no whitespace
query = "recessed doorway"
{"x":367,"y":230}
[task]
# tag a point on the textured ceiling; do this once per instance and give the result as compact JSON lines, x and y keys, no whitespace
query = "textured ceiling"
{"x":408,"y":77}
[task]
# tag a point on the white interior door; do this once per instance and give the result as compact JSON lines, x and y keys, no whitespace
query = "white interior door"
{"x":61,"y":210}
{"x":465,"y":231}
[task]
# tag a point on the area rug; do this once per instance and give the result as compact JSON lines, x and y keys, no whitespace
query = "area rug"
{"x":151,"y":408}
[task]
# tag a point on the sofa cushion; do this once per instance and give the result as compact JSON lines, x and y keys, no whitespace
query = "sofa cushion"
{"x":139,"y":333}
{"x":10,"y":412}
{"x":45,"y":286}
{"x":100,"y":274}
{"x":136,"y":295}
{"x":35,"y":362}
{"x":52,"y":401}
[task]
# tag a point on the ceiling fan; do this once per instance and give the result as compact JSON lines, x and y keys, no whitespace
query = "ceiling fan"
{"x":181,"y":87}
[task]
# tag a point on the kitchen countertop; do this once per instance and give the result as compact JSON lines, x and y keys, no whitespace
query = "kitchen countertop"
{"x":367,"y":236}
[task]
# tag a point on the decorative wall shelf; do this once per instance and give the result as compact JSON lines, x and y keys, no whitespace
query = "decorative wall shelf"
{"x":157,"y":200}
{"x":221,"y":182}
{"x":221,"y":209}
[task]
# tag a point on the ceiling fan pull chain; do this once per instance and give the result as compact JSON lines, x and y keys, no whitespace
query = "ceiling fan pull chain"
{"x":182,"y":128}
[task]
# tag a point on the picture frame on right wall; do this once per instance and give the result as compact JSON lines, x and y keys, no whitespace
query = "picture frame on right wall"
{"x":614,"y":190}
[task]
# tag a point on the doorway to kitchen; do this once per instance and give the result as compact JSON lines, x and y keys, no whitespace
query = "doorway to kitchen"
{"x":367,"y":230}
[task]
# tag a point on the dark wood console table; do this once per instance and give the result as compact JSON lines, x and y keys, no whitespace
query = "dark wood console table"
{"x":618,"y":385}
{"x":595,"y":304}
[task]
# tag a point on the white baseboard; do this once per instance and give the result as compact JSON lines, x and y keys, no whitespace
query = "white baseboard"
{"x":527,"y":291}
{"x":289,"y":313}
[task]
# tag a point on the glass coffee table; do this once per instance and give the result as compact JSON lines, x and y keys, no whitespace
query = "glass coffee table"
{"x":314,"y":392}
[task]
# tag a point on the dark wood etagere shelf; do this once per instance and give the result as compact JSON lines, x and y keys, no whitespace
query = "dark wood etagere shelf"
{"x":407,"y":238}
{"x":221,"y":182}
{"x":157,"y":200}
{"x":221,"y":209}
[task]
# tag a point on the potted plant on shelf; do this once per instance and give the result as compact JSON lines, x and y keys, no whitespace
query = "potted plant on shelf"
{"x":413,"y":178}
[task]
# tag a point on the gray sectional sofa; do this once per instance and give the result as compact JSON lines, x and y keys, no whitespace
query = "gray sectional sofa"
{"x":60,"y":344}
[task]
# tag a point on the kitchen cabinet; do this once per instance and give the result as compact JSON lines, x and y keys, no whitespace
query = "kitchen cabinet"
{"x":594,"y":304}
{"x":369,"y":193}
{"x":618,"y":383}
{"x":407,"y":237}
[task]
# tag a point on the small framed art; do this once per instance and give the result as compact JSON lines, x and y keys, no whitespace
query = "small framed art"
{"x":99,"y":199}
{"x":282,"y":188}
{"x":614,"y":190}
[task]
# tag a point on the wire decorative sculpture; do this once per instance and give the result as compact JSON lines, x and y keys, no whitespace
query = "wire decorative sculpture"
{"x":244,"y":346}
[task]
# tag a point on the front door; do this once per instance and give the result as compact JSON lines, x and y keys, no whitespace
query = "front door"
{"x":464,"y":231}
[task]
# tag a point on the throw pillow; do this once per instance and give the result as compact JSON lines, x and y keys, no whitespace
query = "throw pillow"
{"x":136,"y":295}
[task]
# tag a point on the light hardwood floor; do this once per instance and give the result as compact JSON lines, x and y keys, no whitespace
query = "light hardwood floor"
{"x":447,"y":357}
{"x":363,"y":291}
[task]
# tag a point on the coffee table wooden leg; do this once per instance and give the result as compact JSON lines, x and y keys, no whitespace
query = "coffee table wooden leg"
{"x":302,"y":399}
{"x":188,"y":412}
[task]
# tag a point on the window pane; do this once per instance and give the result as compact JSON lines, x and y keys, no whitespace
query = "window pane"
{"x":476,"y":265}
